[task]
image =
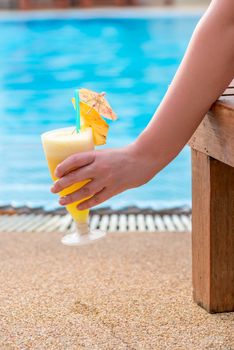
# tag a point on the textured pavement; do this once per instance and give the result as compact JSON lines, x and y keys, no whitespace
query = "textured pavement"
{"x":128,"y":291}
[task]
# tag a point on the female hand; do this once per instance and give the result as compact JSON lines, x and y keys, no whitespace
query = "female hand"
{"x":111,"y":171}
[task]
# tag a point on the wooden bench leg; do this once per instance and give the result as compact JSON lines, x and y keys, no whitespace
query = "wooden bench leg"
{"x":212,"y":233}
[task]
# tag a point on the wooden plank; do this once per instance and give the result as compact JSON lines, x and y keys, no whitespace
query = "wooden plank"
{"x":25,"y":4}
{"x":215,"y":134}
{"x":212,"y":233}
{"x":62,"y":3}
{"x":32,"y":4}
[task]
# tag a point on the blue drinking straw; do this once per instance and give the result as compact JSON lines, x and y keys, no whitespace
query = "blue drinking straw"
{"x":77,"y":104}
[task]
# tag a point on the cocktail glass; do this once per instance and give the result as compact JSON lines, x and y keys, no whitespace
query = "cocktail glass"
{"x":58,"y":145}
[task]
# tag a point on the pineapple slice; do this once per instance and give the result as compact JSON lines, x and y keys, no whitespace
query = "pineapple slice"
{"x":91,"y":118}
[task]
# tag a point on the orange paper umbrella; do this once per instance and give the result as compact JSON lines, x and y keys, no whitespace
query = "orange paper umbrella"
{"x":98,"y":102}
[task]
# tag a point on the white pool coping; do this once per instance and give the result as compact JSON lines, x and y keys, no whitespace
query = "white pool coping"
{"x":108,"y":223}
{"x":104,"y":12}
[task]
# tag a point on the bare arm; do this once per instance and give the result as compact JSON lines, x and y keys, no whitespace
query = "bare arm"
{"x":206,"y":70}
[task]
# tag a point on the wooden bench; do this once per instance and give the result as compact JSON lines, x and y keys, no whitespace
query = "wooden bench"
{"x":213,"y":207}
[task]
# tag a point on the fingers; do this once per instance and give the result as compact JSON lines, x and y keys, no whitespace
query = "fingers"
{"x":98,"y":198}
{"x":84,"y":192}
{"x":73,"y":162}
{"x":72,"y":178}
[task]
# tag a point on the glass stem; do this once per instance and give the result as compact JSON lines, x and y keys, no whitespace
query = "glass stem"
{"x":82,"y":228}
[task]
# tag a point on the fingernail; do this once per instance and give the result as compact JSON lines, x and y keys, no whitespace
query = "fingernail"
{"x":62,"y":201}
{"x":52,"y":188}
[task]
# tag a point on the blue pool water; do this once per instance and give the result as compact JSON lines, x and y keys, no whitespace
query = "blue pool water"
{"x":42,"y":61}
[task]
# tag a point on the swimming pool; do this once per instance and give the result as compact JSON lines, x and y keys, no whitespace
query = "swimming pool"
{"x":42,"y":60}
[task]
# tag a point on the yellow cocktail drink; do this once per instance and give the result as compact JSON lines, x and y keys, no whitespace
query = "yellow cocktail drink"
{"x":60,"y":144}
{"x":91,"y":129}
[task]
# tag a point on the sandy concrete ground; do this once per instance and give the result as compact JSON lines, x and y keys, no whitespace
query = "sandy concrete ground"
{"x":129,"y":291}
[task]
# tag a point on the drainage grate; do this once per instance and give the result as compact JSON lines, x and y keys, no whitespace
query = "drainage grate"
{"x":107,"y":222}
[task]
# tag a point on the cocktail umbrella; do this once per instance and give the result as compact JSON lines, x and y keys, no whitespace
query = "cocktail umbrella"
{"x":98,"y":102}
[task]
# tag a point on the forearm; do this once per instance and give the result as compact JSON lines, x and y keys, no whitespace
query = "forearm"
{"x":206,"y":70}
